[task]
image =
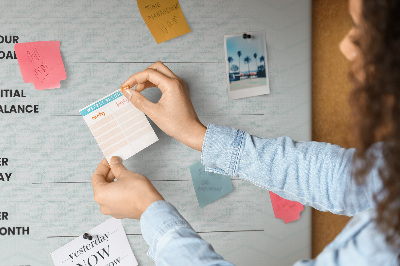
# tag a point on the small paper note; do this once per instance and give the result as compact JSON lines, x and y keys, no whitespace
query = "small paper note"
{"x":118,"y":126}
{"x":41,"y":64}
{"x":284,"y":209}
{"x":164,"y":19}
{"x":109,"y":246}
{"x":209,"y":186}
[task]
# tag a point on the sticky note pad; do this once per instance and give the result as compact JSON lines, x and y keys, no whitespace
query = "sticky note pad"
{"x":108,"y":246}
{"x":164,"y":19}
{"x":118,"y":126}
{"x":41,"y":64}
{"x":209,"y":186}
{"x":284,"y":209}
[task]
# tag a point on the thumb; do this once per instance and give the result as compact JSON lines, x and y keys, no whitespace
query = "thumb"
{"x":138,"y":100}
{"x":117,"y":167}
{"x":99,"y":175}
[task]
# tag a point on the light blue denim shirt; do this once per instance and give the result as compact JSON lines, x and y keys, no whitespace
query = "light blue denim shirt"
{"x":312,"y":173}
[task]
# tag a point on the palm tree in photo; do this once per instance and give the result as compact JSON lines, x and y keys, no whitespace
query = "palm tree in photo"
{"x":239,"y":54}
{"x":247,"y":60}
{"x":262,"y":59}
{"x":234,"y":68}
{"x":255,"y":58}
{"x":230,"y":59}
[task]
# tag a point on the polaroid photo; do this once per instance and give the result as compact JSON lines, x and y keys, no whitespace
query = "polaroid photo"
{"x":246,"y":64}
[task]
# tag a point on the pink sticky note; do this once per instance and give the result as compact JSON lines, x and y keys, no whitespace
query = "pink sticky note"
{"x":41,"y":64}
{"x":284,"y":209}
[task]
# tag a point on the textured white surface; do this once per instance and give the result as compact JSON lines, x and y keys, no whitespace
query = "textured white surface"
{"x":52,"y":154}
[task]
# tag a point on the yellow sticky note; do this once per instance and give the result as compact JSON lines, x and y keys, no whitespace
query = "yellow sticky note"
{"x":164,"y":18}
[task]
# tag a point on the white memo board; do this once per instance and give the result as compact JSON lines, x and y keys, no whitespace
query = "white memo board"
{"x":52,"y":154}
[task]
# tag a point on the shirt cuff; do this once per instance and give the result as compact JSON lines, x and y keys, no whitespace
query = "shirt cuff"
{"x":222,"y":147}
{"x":160,"y":217}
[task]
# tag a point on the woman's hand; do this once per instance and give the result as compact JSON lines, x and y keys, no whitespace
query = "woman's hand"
{"x":128,"y":197}
{"x":174,"y":113}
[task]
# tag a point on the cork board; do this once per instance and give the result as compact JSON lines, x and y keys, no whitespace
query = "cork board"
{"x":330,"y":93}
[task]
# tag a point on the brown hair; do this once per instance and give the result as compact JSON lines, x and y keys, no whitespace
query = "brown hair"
{"x":376,"y":108}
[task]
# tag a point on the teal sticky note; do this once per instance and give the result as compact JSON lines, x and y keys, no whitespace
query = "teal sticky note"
{"x":209,"y":186}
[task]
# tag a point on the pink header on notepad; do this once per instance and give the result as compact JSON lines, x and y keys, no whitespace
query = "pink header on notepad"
{"x":41,"y":64}
{"x":284,"y":209}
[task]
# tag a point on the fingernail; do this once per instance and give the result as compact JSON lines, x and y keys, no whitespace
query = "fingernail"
{"x":127,"y":93}
{"x":115,"y":160}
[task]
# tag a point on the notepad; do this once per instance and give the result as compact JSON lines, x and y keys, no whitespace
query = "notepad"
{"x":287,"y":210}
{"x":41,"y":64}
{"x":164,"y":19}
{"x":119,"y":128}
{"x":209,"y":186}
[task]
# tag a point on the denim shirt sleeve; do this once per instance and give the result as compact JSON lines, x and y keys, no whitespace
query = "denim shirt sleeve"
{"x":312,"y":173}
{"x":172,"y":241}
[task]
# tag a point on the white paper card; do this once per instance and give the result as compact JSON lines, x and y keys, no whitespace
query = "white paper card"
{"x":108,"y":247}
{"x":118,"y":126}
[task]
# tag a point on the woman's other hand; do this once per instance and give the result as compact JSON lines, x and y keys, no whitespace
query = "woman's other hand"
{"x":128,"y":196}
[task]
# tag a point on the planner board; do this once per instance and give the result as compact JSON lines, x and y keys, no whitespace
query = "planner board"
{"x":51,"y":155}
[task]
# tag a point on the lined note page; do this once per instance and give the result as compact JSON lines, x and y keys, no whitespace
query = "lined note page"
{"x":119,"y":128}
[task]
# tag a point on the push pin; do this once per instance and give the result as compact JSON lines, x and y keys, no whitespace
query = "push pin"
{"x":87,"y":236}
{"x":246,"y":36}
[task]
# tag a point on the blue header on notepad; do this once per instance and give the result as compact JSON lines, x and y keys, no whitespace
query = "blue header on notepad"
{"x":101,"y":103}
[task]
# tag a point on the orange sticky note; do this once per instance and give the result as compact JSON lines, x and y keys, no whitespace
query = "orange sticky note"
{"x":164,"y":18}
{"x":284,"y":209}
{"x":41,"y":64}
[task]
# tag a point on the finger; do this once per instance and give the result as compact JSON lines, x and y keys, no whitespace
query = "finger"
{"x":140,"y":102}
{"x":160,"y":80}
{"x":160,"y":67}
{"x":99,"y":175}
{"x":110,"y":177}
{"x":142,"y":86}
{"x":117,"y":167}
